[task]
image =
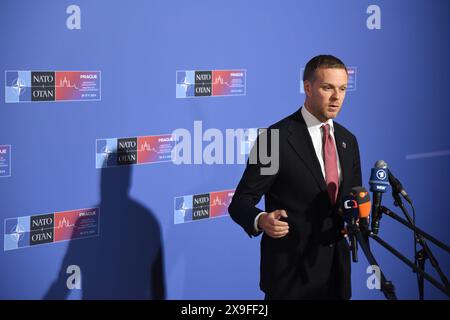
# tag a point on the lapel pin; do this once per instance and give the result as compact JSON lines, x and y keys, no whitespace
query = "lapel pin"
{"x":344,"y":145}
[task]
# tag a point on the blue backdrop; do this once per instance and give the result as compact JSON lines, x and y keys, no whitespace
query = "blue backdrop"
{"x":398,"y":112}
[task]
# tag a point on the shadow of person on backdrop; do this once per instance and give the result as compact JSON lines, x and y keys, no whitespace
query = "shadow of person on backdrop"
{"x":126,"y":260}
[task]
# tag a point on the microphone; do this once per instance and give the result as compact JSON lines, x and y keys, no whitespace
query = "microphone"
{"x":397,"y":186}
{"x":351,"y":213}
{"x":363,"y":199}
{"x":378,"y":185}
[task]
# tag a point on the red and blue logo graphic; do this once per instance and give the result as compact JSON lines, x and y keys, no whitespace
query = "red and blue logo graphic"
{"x":137,"y":150}
{"x":29,"y":231}
{"x":202,"y":206}
{"x":32,"y":86}
{"x":191,"y":83}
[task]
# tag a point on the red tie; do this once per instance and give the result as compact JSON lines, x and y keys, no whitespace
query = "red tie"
{"x":331,"y":168}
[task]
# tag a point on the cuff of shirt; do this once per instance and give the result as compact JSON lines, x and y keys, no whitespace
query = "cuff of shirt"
{"x":255,"y":224}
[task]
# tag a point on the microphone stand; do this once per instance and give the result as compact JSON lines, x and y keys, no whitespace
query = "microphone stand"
{"x":386,"y":286}
{"x":423,"y":254}
{"x":410,"y":264}
{"x":411,"y":226}
{"x":419,"y":256}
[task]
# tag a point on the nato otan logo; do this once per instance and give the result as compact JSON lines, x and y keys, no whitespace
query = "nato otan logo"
{"x":195,"y":207}
{"x":34,"y":86}
{"x":210,"y":83}
{"x":133,"y":150}
{"x":28,"y":231}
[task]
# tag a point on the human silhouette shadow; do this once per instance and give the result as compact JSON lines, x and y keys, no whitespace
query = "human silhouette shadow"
{"x":126,"y":260}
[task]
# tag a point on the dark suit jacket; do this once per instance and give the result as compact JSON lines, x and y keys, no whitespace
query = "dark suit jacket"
{"x":312,"y":261}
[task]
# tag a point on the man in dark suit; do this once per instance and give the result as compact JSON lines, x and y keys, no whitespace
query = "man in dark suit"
{"x":303,"y":252}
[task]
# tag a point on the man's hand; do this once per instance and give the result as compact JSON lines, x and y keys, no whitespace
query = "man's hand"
{"x":271,"y":224}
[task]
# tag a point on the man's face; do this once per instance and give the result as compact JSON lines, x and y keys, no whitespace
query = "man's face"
{"x":325,"y":95}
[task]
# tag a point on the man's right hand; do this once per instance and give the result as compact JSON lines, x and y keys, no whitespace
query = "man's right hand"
{"x":271,"y":224}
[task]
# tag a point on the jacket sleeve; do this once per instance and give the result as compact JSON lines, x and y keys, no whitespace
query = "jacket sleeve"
{"x":253,"y":185}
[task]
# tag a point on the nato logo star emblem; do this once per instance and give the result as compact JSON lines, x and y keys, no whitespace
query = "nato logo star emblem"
{"x":17,"y":86}
{"x":17,"y":232}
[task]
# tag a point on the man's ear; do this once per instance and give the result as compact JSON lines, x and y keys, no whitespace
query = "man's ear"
{"x":307,"y":87}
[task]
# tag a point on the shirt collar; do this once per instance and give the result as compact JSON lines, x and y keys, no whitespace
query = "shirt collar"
{"x":312,"y":122}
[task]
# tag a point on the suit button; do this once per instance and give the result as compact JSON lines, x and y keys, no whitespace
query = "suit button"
{"x":331,"y":245}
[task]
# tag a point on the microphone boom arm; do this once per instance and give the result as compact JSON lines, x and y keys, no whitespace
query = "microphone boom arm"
{"x":386,"y":286}
{"x":410,"y":264}
{"x":420,"y":235}
{"x":394,"y":216}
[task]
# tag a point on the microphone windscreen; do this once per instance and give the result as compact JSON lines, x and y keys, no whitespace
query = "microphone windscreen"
{"x":362,"y":197}
{"x":381,"y":164}
{"x":364,"y":210}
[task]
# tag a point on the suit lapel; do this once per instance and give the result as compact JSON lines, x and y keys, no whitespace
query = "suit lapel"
{"x":301,"y":142}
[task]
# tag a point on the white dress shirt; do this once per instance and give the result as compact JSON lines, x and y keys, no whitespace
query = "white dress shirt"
{"x":316,"y":132}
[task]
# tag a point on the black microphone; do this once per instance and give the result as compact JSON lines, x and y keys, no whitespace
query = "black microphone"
{"x":351,"y":214}
{"x":397,"y":186}
{"x":378,"y":185}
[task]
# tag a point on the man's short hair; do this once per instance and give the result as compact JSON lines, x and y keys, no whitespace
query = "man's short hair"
{"x":321,"y":61}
